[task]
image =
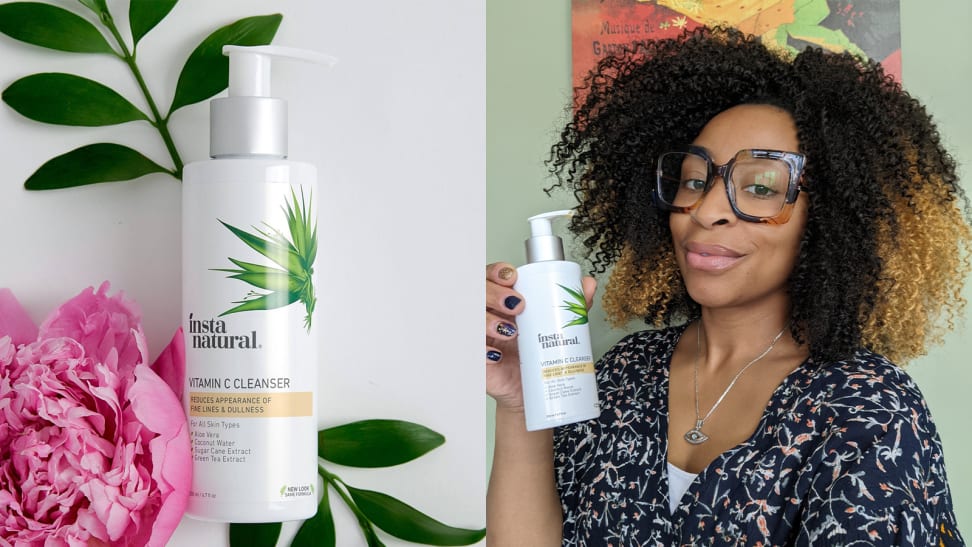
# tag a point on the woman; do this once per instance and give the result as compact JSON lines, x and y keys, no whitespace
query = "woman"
{"x":788,"y":225}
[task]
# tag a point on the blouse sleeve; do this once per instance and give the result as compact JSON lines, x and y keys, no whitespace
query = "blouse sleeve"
{"x":879,"y":478}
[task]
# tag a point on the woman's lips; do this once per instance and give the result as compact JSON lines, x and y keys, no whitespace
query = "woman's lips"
{"x":710,"y":257}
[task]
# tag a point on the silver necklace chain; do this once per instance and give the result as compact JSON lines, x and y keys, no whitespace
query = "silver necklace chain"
{"x":695,"y":435}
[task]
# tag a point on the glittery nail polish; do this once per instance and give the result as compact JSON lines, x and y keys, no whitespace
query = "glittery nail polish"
{"x":506,"y":274}
{"x":493,"y":355}
{"x":511,"y":302}
{"x":506,"y":329}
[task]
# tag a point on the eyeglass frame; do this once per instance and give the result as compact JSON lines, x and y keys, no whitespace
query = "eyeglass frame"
{"x":794,"y":161}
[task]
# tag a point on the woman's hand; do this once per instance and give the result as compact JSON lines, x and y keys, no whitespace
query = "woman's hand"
{"x":503,"y":304}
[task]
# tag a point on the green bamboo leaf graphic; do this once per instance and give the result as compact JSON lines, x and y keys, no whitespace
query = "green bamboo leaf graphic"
{"x":281,"y":254}
{"x":319,"y":530}
{"x":302,"y":229}
{"x":576,"y":321}
{"x":405,"y":522}
{"x":254,"y":535}
{"x":206,"y":71}
{"x":296,"y":254}
{"x":276,"y":236}
{"x":51,"y":27}
{"x":578,"y":295}
{"x":102,"y":162}
{"x":293,"y":223}
{"x":376,"y":443}
{"x":577,"y":307}
{"x":271,"y":281}
{"x":263,"y":302}
{"x":265,"y":277}
{"x":249,"y":267}
{"x":66,"y":99}
{"x":143,"y":15}
{"x":311,"y":251}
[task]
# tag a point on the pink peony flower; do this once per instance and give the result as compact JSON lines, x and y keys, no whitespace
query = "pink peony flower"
{"x":94,"y":445}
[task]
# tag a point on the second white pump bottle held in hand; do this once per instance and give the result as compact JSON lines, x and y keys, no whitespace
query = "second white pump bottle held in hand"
{"x":554,"y":341}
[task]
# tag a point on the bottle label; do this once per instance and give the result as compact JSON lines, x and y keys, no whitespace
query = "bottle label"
{"x":557,"y":364}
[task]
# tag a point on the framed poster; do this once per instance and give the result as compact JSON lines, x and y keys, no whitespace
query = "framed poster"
{"x":867,"y":28}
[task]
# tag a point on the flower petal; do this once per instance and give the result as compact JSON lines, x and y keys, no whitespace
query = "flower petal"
{"x":14,"y":321}
{"x":157,"y":407}
{"x":171,"y":363}
{"x":100,"y":324}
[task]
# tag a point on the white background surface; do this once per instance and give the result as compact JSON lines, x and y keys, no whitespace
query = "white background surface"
{"x":397,"y":131}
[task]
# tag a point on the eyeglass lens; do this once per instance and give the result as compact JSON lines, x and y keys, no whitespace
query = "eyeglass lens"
{"x":759,"y":184}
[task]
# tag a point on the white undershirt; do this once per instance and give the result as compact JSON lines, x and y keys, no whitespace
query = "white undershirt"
{"x":678,"y":483}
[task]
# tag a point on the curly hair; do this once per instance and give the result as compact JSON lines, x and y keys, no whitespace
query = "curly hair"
{"x":886,"y":248}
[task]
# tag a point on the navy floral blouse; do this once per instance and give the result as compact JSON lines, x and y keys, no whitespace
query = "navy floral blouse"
{"x":846,"y":453}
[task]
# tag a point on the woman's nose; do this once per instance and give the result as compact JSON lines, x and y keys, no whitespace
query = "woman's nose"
{"x":715,"y":209}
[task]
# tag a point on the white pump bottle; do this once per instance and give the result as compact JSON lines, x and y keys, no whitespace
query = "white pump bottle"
{"x":554,"y":341}
{"x":249,"y":240}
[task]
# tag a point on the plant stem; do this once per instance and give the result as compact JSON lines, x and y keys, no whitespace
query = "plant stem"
{"x":363,"y":521}
{"x":160,"y":123}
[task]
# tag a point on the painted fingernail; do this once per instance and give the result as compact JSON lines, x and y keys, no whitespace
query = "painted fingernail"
{"x":494,"y":355}
{"x":511,"y":302}
{"x":506,"y":329}
{"x":506,"y":273}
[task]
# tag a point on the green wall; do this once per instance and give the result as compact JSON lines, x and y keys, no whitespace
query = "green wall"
{"x":528,"y":89}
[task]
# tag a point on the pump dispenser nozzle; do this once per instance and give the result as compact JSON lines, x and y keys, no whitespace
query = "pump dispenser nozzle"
{"x":543,"y":245}
{"x":249,"y":122}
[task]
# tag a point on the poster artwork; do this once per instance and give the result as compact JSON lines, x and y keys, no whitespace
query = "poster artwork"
{"x":867,"y":28}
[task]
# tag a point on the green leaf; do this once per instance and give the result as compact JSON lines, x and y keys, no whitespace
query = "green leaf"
{"x":374,"y":540}
{"x":51,"y":27}
{"x":143,"y":15}
{"x":317,"y":531}
{"x":405,"y":522}
{"x":264,"y":534}
{"x":99,"y":7}
{"x":376,"y":443}
{"x":206,"y":72}
{"x":364,"y":524}
{"x":66,"y":99}
{"x":102,"y":162}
